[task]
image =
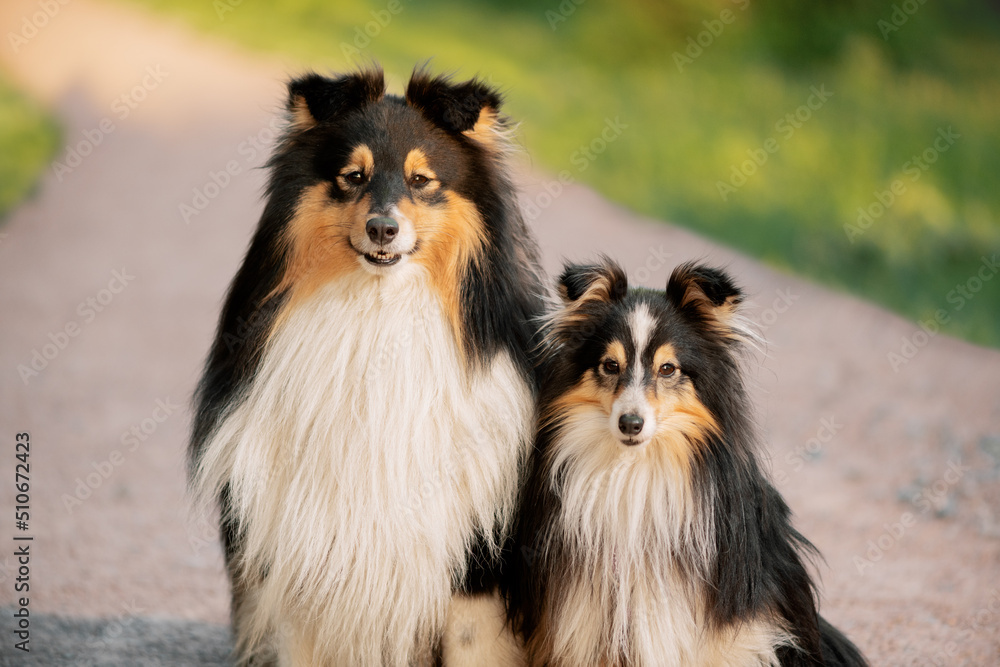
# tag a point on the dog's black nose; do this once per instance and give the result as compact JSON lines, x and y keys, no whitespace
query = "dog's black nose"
{"x":381,"y":230}
{"x":630,"y":424}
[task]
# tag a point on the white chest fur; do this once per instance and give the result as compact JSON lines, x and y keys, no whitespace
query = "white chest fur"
{"x":363,"y":459}
{"x":622,"y":598}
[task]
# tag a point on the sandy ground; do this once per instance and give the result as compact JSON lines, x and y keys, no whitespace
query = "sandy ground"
{"x":893,"y":473}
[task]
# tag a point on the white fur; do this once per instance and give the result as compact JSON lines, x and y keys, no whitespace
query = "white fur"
{"x":641,"y":324}
{"x":626,"y":512}
{"x":477,"y":634}
{"x":363,"y":458}
{"x":402,"y":245}
{"x":632,"y":401}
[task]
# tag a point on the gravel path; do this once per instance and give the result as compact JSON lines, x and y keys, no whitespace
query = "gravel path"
{"x":893,"y":473}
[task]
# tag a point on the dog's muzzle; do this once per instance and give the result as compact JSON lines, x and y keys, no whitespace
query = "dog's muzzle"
{"x":382,"y":231}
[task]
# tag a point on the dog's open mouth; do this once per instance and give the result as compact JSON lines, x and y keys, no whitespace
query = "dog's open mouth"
{"x":382,"y":258}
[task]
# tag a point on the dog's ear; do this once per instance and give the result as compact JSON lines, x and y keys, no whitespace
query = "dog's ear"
{"x":708,"y":294}
{"x":584,"y":291}
{"x":314,"y":99}
{"x":581,"y":283}
{"x":471,"y":108}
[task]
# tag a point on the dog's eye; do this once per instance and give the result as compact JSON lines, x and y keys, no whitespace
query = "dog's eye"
{"x":355,"y":178}
{"x":610,"y":366}
{"x":667,"y":369}
{"x":419,"y":180}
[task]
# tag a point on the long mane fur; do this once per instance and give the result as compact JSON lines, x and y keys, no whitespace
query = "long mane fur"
{"x":618,"y":555}
{"x":363,"y":450}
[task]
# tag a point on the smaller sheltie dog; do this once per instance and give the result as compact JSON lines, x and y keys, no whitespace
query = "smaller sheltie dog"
{"x":648,"y":534}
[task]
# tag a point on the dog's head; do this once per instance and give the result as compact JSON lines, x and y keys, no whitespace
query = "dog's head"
{"x":640,"y":368}
{"x":376,"y":182}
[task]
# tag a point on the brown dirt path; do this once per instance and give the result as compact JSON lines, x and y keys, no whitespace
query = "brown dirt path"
{"x":856,"y":447}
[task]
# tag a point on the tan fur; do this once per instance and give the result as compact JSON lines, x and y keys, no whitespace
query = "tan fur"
{"x":725,"y":318}
{"x":300,"y":118}
{"x":599,"y":290}
{"x":317,"y":239}
{"x":678,"y":410}
{"x":486,"y":131}
{"x":665,"y":353}
{"x":360,"y":159}
{"x":418,"y":163}
{"x":682,"y":411}
{"x":450,"y":239}
{"x":587,"y":394}
{"x":616,"y":352}
{"x":565,"y":314}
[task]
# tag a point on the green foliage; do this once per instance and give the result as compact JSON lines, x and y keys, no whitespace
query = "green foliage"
{"x":703,"y":86}
{"x":27,"y":141}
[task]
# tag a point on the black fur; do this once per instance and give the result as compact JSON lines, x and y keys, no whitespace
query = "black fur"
{"x":759,"y":565}
{"x":455,"y":108}
{"x":577,"y":279}
{"x":327,"y":99}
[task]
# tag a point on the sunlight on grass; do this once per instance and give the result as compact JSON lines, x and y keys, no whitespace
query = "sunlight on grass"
{"x":695,"y":127}
{"x":27,"y":141}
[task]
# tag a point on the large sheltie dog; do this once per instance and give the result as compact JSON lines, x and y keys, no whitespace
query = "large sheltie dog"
{"x":648,"y":535}
{"x":368,"y":401}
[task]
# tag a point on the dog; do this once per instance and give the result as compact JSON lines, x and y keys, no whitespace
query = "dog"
{"x":368,"y":403}
{"x":648,"y":534}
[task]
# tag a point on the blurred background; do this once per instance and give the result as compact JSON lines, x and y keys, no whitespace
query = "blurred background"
{"x":853,"y":142}
{"x":839,"y":158}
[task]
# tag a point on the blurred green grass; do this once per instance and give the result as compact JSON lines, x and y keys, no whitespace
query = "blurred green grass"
{"x":568,"y":67}
{"x":28,"y":138}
